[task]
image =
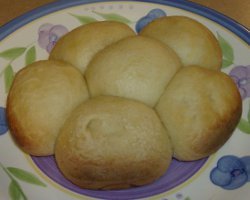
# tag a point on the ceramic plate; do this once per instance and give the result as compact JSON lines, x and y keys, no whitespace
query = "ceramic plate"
{"x":224,"y":175}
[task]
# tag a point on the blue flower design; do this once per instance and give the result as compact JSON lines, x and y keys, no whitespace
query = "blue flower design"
{"x":3,"y":121}
{"x":152,"y":14}
{"x":231,"y":172}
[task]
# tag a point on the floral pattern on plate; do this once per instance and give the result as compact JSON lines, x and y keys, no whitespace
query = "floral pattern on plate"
{"x":231,"y":172}
{"x":149,"y":17}
{"x":49,"y":34}
{"x":241,"y":77}
{"x":3,"y":121}
{"x":15,"y":174}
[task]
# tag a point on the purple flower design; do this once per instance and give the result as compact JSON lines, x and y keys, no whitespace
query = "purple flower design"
{"x":49,"y":34}
{"x":231,"y":172}
{"x":241,"y":76}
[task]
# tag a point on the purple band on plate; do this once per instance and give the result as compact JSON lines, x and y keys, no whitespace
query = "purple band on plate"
{"x":177,"y":173}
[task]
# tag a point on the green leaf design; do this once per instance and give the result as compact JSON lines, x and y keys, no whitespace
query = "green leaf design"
{"x":25,"y":176}
{"x":12,"y":53}
{"x":227,"y":51}
{"x":15,"y":191}
{"x":30,"y":56}
{"x":8,"y":77}
{"x":187,"y":198}
{"x":248,"y":115}
{"x":113,"y":17}
{"x":84,"y":19}
{"x":244,"y":126}
{"x":226,"y":63}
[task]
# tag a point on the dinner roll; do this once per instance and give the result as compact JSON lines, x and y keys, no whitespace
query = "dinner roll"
{"x":81,"y":44}
{"x":200,"y":109}
{"x":136,"y":67}
{"x":194,"y":43}
{"x":112,"y":143}
{"x":41,"y":97}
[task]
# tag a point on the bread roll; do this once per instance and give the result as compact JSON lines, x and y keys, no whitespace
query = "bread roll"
{"x":41,"y":97}
{"x":81,"y":44}
{"x":200,"y":109}
{"x":194,"y":43}
{"x":136,"y":67}
{"x":112,"y":143}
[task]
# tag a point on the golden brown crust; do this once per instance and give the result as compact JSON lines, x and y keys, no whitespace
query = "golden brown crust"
{"x":112,"y":142}
{"x":40,"y":99}
{"x":136,"y":67}
{"x":193,"y":42}
{"x":200,"y":109}
{"x":80,"y":45}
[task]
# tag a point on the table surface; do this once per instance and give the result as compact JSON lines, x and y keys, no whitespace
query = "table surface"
{"x":239,"y":10}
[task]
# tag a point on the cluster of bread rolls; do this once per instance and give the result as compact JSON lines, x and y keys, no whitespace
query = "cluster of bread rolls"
{"x":114,"y":107}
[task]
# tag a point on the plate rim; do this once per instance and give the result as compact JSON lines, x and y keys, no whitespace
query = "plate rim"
{"x":219,"y":18}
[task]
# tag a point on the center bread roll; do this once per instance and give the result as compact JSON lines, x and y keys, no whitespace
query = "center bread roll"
{"x":113,"y":143}
{"x":136,"y":67}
